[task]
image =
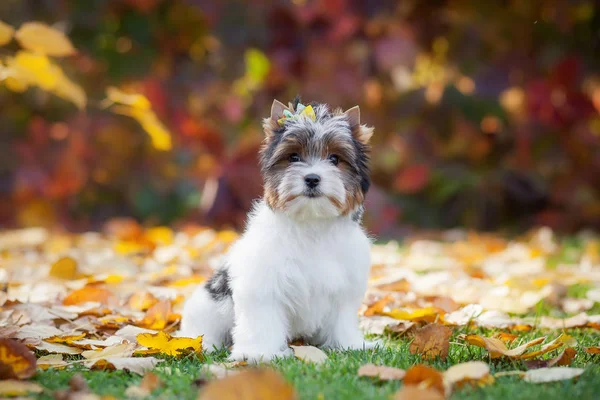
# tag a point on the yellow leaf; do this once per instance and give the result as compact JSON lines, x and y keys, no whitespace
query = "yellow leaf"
{"x":192,"y":280}
{"x":16,"y":360}
{"x":173,"y":346}
{"x":158,"y":316}
{"x":160,"y":235}
{"x":137,"y":101}
{"x":65,"y":268}
{"x":257,"y":66}
{"x":35,"y":69}
{"x":51,"y":361}
{"x":70,"y":91}
{"x":67,"y":339}
{"x":497,"y":348}
{"x":6,"y":33}
{"x":41,"y":38}
{"x":428,"y":314}
{"x":159,"y":135}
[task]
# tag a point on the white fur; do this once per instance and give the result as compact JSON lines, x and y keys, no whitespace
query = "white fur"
{"x":293,"y":275}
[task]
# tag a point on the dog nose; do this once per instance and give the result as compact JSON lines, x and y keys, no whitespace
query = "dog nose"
{"x":312,"y":180}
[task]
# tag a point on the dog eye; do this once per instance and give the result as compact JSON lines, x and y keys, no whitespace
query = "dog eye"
{"x":294,"y":157}
{"x":335,"y":160}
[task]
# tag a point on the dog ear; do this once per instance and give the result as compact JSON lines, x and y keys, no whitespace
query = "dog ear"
{"x":362,"y":132}
{"x":277,"y":110}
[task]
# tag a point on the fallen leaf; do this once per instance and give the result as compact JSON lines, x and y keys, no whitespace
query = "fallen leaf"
{"x":142,"y":301}
{"x":166,"y":344}
{"x":139,"y":365}
{"x":592,"y":350}
{"x":6,"y":33}
{"x":158,"y":316}
{"x":66,"y":339}
{"x":58,"y":348}
{"x":256,"y":384}
{"x":378,"y":306}
{"x":428,"y":314}
{"x":64,"y":268}
{"x":565,"y":358}
{"x":41,"y":38}
{"x":218,"y":371}
{"x":472,"y":372}
{"x":89,"y":294}
{"x":378,"y":324}
{"x":12,"y":388}
{"x":543,"y":375}
{"x":120,"y":350}
{"x":425,"y":377}
{"x":497,"y":348}
{"x":309,"y":354}
{"x":431,"y":341}
{"x":130,"y":332}
{"x":51,"y":361}
{"x":381,"y":372}
{"x":16,"y":360}
{"x":576,"y":321}
{"x":418,"y":393}
{"x":149,"y":383}
{"x":560,"y":341}
{"x":506,"y":337}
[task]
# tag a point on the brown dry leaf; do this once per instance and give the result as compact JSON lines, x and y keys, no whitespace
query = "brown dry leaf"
{"x":51,"y":361}
{"x":255,"y":384}
{"x":565,"y":358}
{"x":120,"y":350}
{"x":164,"y":343}
{"x":378,"y":306}
{"x":472,"y":372}
{"x":43,"y":39}
{"x":13,"y":388}
{"x":560,"y":341}
{"x":544,"y":375}
{"x":309,"y":354}
{"x":64,"y":268}
{"x":158,"y":316}
{"x":381,"y":372}
{"x":6,"y":33}
{"x":89,"y":294}
{"x":16,"y":360}
{"x":431,"y":341}
{"x":592,"y":350}
{"x":149,"y":383}
{"x":418,"y":393}
{"x":425,"y":377}
{"x":497,"y":348}
{"x":57,"y":348}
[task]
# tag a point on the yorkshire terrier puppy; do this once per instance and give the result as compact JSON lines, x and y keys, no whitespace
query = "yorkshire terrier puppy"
{"x":300,"y":269}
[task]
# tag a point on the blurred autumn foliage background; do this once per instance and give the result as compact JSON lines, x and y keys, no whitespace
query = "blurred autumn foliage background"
{"x":487,"y":113}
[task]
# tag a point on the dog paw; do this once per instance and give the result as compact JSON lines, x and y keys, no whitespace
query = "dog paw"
{"x":256,"y":357}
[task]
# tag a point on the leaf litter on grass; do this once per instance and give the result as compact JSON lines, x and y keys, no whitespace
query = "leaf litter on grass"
{"x":113,"y":299}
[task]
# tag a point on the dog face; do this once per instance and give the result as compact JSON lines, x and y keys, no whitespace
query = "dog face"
{"x":315,"y":165}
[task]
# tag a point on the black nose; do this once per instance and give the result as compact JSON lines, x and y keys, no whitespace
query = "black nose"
{"x":312,"y":180}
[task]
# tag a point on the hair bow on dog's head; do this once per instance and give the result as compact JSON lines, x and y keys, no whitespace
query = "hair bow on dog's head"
{"x":281,"y":113}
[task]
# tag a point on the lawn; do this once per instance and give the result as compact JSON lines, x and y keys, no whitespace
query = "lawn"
{"x":88,"y":298}
{"x":337,"y":378}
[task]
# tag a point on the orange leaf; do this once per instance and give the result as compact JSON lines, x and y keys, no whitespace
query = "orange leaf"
{"x":428,"y":314}
{"x":416,"y":392}
{"x":258,"y":384}
{"x":381,"y":372}
{"x":497,"y":348}
{"x":431,"y":341}
{"x":142,"y":301}
{"x":377,"y":307}
{"x":425,"y":377}
{"x":16,"y":360}
{"x":158,"y":316}
{"x":88,"y":294}
{"x":592,"y":350}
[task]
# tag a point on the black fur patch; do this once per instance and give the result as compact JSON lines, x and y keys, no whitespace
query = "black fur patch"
{"x":362,"y":162}
{"x":218,"y":285}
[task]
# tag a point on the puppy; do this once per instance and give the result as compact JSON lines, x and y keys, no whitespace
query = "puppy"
{"x":300,"y":269}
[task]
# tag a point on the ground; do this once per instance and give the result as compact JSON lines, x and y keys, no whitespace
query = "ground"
{"x":337,"y":378}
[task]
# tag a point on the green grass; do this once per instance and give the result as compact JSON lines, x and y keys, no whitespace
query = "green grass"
{"x":337,"y":379}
